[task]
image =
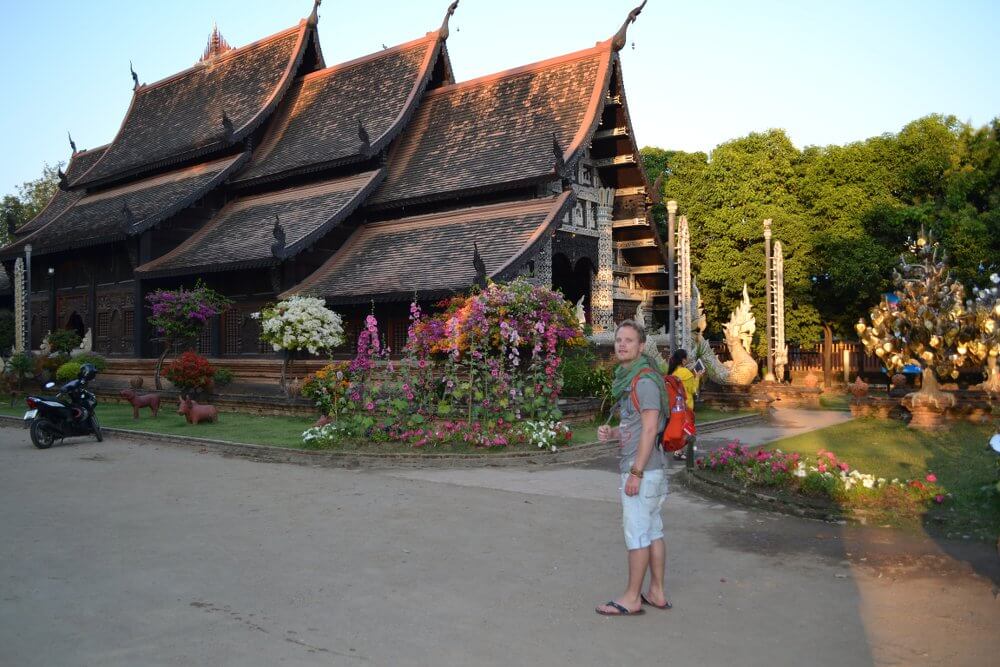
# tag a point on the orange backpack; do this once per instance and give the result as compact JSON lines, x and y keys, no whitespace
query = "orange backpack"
{"x":680,"y":425}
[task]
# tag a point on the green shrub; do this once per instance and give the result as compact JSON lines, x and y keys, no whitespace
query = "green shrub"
{"x":582,"y":376}
{"x":46,"y":367}
{"x":820,"y":485}
{"x":99,"y":362}
{"x":222,"y":377}
{"x":68,"y":371}
{"x":64,"y":340}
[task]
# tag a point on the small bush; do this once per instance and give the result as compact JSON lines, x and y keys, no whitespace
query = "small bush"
{"x":820,"y":485}
{"x":21,"y":365}
{"x":99,"y":362}
{"x":223,"y":377}
{"x":190,"y":373}
{"x":64,"y":340}
{"x":68,"y":371}
{"x":46,"y":366}
{"x":582,"y":376}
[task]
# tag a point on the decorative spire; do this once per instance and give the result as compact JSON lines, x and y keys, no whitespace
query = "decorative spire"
{"x":618,"y":41}
{"x":479,"y":265}
{"x":217,"y":45}
{"x":72,"y":144}
{"x":444,"y":32}
{"x":313,"y":19}
{"x":227,"y":126}
{"x":63,"y":182}
{"x":278,"y":247}
{"x":366,"y":143}
{"x":135,"y":77}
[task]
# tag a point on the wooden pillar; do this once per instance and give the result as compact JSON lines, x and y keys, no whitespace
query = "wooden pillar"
{"x":671,"y":275}
{"x":52,"y":299}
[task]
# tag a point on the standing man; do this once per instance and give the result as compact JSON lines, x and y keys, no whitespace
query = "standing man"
{"x":644,"y":413}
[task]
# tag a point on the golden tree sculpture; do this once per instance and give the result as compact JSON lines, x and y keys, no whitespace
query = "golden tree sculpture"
{"x":929,"y":324}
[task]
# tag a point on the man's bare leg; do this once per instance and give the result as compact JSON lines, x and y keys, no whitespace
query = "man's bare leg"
{"x":657,"y":568}
{"x":638,"y":563}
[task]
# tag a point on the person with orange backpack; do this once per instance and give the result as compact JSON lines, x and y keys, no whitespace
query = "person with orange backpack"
{"x":689,"y":380}
{"x":643,"y":404}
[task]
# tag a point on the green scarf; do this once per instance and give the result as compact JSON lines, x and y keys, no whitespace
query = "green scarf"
{"x":625,"y":373}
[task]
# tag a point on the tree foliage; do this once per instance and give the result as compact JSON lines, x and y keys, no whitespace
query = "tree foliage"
{"x":841,"y":213}
{"x":31,"y":198}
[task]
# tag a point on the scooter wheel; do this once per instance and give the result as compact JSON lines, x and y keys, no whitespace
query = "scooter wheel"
{"x":95,"y":426}
{"x":43,"y":433}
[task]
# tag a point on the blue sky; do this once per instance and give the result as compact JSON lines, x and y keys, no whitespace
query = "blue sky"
{"x":700,"y":73}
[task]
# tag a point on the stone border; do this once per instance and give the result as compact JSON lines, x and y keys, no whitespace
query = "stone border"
{"x":750,"y":498}
{"x":333,"y":459}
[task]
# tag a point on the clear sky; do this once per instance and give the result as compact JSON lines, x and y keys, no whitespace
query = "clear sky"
{"x":700,"y":73}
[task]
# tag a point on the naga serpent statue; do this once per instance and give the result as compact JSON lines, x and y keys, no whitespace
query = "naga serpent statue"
{"x":742,"y":369}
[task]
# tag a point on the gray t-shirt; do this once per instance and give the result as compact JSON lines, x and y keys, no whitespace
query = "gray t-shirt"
{"x":631,"y":425}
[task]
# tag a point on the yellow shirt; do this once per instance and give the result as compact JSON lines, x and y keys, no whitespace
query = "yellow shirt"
{"x":690,"y":382}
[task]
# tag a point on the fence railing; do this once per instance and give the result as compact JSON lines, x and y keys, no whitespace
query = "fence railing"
{"x":805,"y":358}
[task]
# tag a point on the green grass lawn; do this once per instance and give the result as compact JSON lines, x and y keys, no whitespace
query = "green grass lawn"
{"x":957,"y":456}
{"x":835,"y":402}
{"x":704,"y":414}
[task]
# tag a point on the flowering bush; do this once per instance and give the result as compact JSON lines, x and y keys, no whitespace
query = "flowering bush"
{"x":178,"y":316}
{"x":301,"y":323}
{"x":190,"y":373}
{"x":327,"y":387}
{"x":827,"y":477}
{"x":546,"y":434}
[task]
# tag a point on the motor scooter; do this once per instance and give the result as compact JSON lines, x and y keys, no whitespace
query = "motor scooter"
{"x":71,"y":412}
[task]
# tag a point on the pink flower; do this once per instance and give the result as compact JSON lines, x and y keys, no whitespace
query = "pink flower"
{"x":369,"y":406}
{"x":939,"y":499}
{"x":821,"y":467}
{"x":932,"y":478}
{"x":844,"y":466}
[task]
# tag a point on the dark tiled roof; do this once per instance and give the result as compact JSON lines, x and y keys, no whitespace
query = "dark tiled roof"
{"x":497,"y":131}
{"x":317,"y":124}
{"x":62,"y":200}
{"x":181,"y":117}
{"x":100,"y":217}
{"x":432,"y":254}
{"x":241,"y":234}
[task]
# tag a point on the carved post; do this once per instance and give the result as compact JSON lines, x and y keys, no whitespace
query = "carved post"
{"x":20,"y":326}
{"x":780,"y":349}
{"x":543,"y":264}
{"x":671,"y":278}
{"x":27,"y":301}
{"x":603,"y":297}
{"x":769,"y":290}
{"x":684,"y":338}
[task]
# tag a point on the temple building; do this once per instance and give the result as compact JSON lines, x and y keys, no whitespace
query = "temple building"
{"x":265,"y":173}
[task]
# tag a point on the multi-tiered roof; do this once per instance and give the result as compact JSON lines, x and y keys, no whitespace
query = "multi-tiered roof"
{"x":382,"y":165}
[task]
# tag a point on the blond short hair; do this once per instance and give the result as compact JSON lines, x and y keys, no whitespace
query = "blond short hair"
{"x":632,"y":324}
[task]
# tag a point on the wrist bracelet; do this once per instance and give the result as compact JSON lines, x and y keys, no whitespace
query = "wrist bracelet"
{"x":635,"y":472}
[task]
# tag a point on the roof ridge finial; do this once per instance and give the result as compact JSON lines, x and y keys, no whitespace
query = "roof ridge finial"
{"x":444,"y":31}
{"x":227,"y":126}
{"x":618,"y":41}
{"x":278,"y":232}
{"x":216,"y":46}
{"x":135,"y":77}
{"x":313,"y":19}
{"x":72,"y":144}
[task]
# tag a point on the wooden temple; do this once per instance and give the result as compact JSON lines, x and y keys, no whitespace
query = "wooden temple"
{"x":265,"y":172}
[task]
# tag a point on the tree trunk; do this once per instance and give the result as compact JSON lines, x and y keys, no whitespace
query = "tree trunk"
{"x":285,"y":363}
{"x":827,"y":356}
{"x":159,"y":367}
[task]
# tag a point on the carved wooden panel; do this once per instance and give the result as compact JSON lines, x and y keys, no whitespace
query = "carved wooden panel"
{"x":115,"y":323}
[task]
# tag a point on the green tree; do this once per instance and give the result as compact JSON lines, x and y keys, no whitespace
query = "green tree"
{"x":31,"y":198}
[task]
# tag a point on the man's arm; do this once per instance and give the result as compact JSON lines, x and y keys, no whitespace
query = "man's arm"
{"x":647,"y":440}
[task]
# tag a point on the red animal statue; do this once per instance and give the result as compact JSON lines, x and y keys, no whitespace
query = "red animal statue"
{"x":196,"y":413}
{"x":151,"y":401}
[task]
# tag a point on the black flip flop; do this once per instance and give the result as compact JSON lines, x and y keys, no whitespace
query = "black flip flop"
{"x":645,"y":600}
{"x":622,"y":611}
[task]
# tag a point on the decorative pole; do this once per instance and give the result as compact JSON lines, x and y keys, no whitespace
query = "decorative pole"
{"x":684,"y":339}
{"x":780,"y":349}
{"x":671,"y":278}
{"x":19,"y":320}
{"x":27,"y":307}
{"x":603,"y":297}
{"x":769,"y":287}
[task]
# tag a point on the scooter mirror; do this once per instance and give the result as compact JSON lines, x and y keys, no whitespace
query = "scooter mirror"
{"x":50,"y":385}
{"x":995,"y":443}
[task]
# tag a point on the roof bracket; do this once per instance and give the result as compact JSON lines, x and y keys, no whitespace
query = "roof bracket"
{"x":366,"y":143}
{"x":480,"y":266}
{"x":278,"y":247}
{"x":618,"y":41}
{"x":444,"y":31}
{"x":128,"y":219}
{"x":63,"y":182}
{"x":227,"y":127}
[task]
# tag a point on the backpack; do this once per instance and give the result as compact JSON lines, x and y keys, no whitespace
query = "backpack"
{"x":680,"y":424}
